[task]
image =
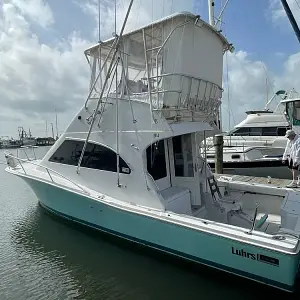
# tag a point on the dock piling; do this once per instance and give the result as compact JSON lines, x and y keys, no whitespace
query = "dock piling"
{"x":218,"y":144}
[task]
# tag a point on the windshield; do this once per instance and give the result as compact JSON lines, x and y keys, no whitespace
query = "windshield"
{"x":293,"y":112}
{"x":259,"y":131}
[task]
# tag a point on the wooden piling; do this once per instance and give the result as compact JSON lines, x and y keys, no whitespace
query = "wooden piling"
{"x":218,"y":143}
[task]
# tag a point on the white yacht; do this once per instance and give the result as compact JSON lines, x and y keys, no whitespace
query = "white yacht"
{"x":128,"y":163}
{"x":255,"y":146}
{"x":264,"y":128}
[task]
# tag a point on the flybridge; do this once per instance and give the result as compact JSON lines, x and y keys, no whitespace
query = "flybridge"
{"x":165,"y":64}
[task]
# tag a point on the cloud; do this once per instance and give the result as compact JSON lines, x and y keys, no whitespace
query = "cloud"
{"x":278,"y":13}
{"x":290,"y":78}
{"x":247,"y":84}
{"x":142,"y":13}
{"x":37,"y":11}
{"x":36,"y":79}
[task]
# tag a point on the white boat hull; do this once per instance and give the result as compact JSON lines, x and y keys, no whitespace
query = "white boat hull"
{"x":245,"y":260}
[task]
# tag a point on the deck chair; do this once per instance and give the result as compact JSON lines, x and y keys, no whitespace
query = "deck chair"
{"x":216,"y":194}
{"x":227,"y":204}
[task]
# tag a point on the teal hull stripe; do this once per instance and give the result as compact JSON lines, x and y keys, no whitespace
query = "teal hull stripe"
{"x":174,"y":252}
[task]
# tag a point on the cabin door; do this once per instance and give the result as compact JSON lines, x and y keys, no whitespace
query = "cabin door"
{"x":183,"y":161}
{"x":158,"y":164}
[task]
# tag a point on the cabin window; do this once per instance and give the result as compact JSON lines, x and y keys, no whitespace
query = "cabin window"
{"x":282,"y":130}
{"x":183,"y":156}
{"x":259,"y":131}
{"x":293,"y":112}
{"x":95,"y":156}
{"x":235,"y":156}
{"x":289,"y":111}
{"x":241,"y":131}
{"x":255,"y":131}
{"x":269,"y":131}
{"x":297,"y":110}
{"x":156,"y":160}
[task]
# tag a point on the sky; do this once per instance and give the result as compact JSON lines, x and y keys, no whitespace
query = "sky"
{"x":43,"y":69}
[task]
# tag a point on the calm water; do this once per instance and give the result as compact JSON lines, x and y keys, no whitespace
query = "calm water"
{"x":42,"y":257}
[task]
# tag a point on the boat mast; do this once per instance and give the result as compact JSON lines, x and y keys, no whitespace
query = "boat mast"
{"x":291,"y":18}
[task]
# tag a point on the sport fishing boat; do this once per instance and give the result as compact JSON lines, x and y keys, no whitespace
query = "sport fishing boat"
{"x":128,"y":164}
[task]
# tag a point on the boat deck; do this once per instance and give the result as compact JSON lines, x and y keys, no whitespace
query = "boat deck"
{"x":272,"y":225}
{"x":276,"y":182}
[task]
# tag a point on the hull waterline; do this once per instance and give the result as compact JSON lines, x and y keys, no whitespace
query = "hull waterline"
{"x":220,"y":253}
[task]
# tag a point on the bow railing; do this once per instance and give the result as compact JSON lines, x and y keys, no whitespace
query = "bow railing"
{"x":15,"y":162}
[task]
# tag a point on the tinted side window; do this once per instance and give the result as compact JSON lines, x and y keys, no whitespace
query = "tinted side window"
{"x":282,"y":130}
{"x":269,"y":131}
{"x":95,"y":157}
{"x":255,"y":131}
{"x":241,"y":131}
{"x":156,"y":160}
{"x":183,"y":156}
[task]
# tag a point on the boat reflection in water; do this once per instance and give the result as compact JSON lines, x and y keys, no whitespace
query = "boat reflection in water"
{"x":61,"y":260}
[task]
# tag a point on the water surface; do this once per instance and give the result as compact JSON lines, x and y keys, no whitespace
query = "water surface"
{"x":42,"y":257}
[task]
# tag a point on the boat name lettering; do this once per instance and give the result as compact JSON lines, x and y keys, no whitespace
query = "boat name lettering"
{"x":258,"y":257}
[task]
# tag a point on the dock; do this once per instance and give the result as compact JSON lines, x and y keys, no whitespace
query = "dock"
{"x":275,"y":182}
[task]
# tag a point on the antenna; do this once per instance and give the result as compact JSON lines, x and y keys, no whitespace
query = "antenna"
{"x":56,"y":124}
{"x":267,"y":90}
{"x":52,"y":130}
{"x":99,"y":20}
{"x":211,"y":6}
{"x":211,"y":13}
{"x":115,"y":16}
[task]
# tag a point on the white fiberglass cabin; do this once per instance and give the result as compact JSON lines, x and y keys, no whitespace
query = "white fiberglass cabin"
{"x":175,"y":92}
{"x":128,"y":164}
